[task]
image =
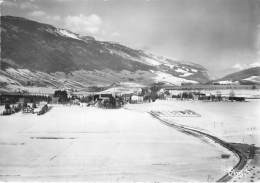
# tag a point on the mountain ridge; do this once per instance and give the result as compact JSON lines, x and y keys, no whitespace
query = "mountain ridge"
{"x":245,"y":76}
{"x":43,"y":50}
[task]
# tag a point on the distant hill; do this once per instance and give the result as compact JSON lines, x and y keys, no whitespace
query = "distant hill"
{"x":247,"y":76}
{"x":37,"y":54}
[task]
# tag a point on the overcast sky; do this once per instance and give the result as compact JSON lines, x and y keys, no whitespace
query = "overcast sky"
{"x":222,"y":35}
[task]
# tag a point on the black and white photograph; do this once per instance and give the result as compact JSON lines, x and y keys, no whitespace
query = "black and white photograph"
{"x":130,"y":91}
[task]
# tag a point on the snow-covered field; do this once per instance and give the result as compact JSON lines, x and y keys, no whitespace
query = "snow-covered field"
{"x":91,"y":144}
{"x":234,"y":122}
{"x":231,"y":121}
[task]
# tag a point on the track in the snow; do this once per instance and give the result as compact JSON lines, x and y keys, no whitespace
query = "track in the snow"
{"x":243,"y":157}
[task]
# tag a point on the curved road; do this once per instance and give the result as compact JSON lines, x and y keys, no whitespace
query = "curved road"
{"x":243,"y":158}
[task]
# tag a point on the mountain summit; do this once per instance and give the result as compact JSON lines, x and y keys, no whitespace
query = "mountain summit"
{"x":43,"y":55}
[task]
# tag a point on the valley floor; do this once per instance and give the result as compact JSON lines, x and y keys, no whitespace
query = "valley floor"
{"x":73,"y":143}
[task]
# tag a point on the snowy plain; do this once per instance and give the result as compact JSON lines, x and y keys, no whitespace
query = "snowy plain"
{"x":231,"y":121}
{"x":73,"y":143}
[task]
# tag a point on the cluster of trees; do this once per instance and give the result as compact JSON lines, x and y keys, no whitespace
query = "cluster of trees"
{"x":62,"y":95}
{"x":12,"y":99}
{"x":111,"y":103}
{"x":10,"y":109}
{"x":187,"y":95}
{"x":87,"y":99}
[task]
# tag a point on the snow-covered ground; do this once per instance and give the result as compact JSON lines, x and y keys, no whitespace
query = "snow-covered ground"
{"x":67,"y":33}
{"x":165,"y":77}
{"x":91,"y":144}
{"x":253,"y":78}
{"x":231,"y":121}
{"x":234,"y":122}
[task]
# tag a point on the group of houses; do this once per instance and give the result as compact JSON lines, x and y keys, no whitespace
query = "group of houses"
{"x":32,"y":108}
{"x":204,"y":96}
{"x":28,"y":102}
{"x":115,"y":100}
{"x":16,"y":101}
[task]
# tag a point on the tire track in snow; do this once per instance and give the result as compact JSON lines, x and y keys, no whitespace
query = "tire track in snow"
{"x":242,"y":156}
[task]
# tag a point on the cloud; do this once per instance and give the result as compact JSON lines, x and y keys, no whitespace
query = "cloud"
{"x":255,"y":64}
{"x":42,"y":16}
{"x":28,"y":5}
{"x":37,"y":13}
{"x":22,"y":5}
{"x":63,"y":0}
{"x":258,"y":42}
{"x":115,"y":34}
{"x":55,"y":17}
{"x":9,"y":3}
{"x":84,"y":24}
{"x":238,"y":66}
